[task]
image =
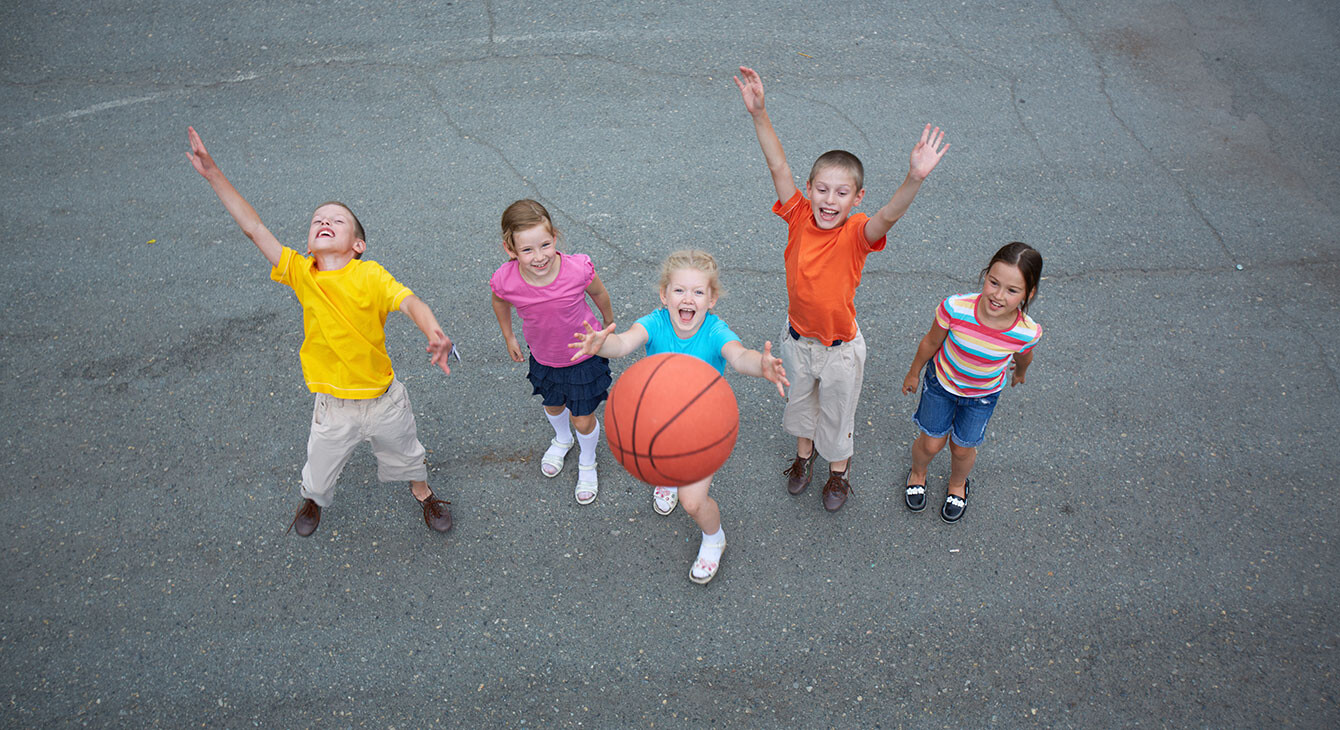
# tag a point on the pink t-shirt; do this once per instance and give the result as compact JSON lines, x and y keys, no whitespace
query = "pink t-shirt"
{"x":552,"y":314}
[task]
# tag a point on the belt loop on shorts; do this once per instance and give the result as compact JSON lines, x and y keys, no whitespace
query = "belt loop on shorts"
{"x":796,"y":336}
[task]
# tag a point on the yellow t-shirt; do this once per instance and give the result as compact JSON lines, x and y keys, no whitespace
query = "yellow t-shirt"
{"x":344,"y":319}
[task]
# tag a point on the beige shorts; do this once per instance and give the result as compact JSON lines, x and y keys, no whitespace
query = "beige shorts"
{"x":339,"y":425}
{"x":825,"y":386}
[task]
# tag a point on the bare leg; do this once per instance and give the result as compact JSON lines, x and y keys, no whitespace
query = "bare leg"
{"x":962,"y":459}
{"x":700,"y":506}
{"x":923,"y":450}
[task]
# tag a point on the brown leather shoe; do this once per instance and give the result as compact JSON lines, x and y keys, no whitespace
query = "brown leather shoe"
{"x":836,"y":490}
{"x":435,"y":512}
{"x":798,"y":474}
{"x":307,"y":518}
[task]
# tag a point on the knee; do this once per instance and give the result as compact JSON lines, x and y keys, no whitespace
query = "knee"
{"x":584,"y":424}
{"x":930,"y":444}
{"x":962,"y":452}
{"x":693,"y":503}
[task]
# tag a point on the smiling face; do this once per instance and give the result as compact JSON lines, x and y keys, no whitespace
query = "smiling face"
{"x":833,"y":192}
{"x":334,"y":232}
{"x":688,"y":295}
{"x":536,"y":252}
{"x":1003,"y":293}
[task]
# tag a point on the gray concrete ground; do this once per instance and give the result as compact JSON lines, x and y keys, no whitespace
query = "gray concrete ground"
{"x":1151,"y":537}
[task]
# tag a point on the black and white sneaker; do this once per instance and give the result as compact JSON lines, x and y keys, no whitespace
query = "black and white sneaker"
{"x":954,"y":507}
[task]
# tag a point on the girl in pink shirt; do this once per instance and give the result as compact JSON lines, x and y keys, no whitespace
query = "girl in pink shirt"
{"x":549,"y":290}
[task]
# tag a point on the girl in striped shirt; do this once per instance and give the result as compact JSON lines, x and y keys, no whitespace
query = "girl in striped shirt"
{"x":966,"y":357}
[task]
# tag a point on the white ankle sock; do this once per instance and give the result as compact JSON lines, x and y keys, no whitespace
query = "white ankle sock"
{"x":562,"y":426}
{"x":713,"y":546}
{"x":587,"y":442}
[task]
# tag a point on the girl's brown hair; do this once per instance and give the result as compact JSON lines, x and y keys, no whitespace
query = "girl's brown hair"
{"x":523,"y":214}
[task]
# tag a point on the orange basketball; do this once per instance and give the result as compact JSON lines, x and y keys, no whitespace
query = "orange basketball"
{"x":671,"y":420}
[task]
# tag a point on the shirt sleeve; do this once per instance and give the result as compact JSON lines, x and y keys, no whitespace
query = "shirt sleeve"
{"x":652,"y":324}
{"x":786,"y":209}
{"x":587,"y":267}
{"x":393,"y":292}
{"x":722,"y":334}
{"x":283,"y":271}
{"x":856,"y":225}
{"x":942,"y":316}
{"x":1037,"y":335}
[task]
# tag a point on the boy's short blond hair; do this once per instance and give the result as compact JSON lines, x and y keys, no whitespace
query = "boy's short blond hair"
{"x":692,"y":258}
{"x":843,"y":160}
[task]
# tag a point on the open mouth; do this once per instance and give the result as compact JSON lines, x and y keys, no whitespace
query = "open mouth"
{"x":325,"y":233}
{"x":686,"y":315}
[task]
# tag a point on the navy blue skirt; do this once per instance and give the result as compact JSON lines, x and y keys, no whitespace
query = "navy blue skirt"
{"x":580,"y":387}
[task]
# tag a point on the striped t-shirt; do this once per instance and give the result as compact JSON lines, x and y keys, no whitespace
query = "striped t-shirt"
{"x":972,"y":360}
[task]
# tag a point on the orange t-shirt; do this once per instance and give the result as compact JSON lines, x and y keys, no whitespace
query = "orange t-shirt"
{"x":823,"y":269}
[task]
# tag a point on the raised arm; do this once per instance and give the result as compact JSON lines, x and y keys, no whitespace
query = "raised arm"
{"x":755,"y":363}
{"x":439,"y":345}
{"x":607,"y":344}
{"x":601,"y":296}
{"x":751,"y":91}
{"x":925,"y":156}
{"x":926,"y":349}
{"x":241,"y":211}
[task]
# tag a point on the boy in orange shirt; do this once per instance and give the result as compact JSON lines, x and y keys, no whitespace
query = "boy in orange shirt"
{"x":826,"y":245}
{"x":344,"y":305}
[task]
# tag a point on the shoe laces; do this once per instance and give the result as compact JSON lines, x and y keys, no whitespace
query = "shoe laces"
{"x":798,"y":467}
{"x":306,"y":507}
{"x":838,"y":482}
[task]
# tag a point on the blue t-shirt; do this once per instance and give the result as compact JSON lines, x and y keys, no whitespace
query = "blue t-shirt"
{"x":705,"y":345}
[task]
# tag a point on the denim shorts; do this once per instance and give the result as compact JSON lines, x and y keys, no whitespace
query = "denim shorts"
{"x":940,"y":412}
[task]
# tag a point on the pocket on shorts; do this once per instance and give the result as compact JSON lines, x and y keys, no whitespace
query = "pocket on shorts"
{"x":397,"y":397}
{"x":320,"y":410}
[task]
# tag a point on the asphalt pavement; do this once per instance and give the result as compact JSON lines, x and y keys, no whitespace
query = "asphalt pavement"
{"x":1151,"y":537}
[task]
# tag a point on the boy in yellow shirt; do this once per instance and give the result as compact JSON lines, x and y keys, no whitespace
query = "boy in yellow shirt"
{"x":345,"y":302}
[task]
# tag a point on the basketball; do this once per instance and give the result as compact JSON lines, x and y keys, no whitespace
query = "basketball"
{"x":671,"y":420}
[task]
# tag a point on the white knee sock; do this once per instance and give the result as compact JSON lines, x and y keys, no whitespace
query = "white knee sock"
{"x":587,"y":442}
{"x":562,"y":426}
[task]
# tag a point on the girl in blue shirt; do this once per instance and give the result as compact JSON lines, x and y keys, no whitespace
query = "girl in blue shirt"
{"x":690,"y":286}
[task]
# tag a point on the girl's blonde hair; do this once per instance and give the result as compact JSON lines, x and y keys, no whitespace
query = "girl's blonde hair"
{"x":692,"y":258}
{"x":523,"y":214}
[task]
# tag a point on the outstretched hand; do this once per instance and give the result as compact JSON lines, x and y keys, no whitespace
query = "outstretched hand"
{"x":439,"y":350}
{"x":751,"y":89}
{"x":773,"y":370}
{"x":590,"y":341}
{"x":927,"y":153}
{"x":199,"y":157}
